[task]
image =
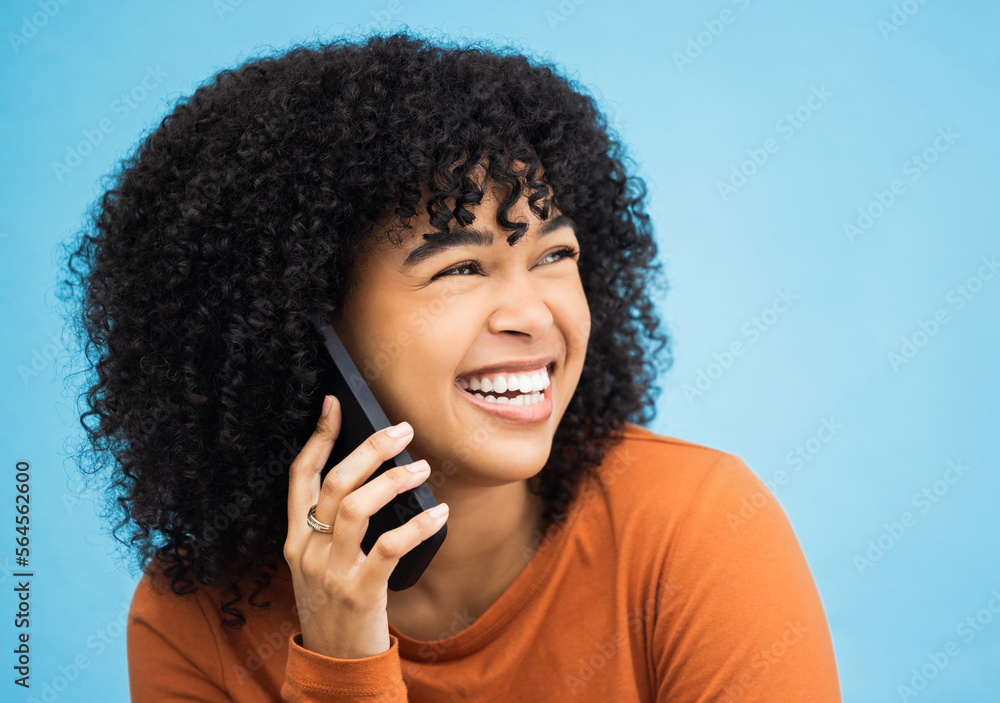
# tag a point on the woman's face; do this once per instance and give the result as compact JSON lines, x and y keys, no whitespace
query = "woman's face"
{"x":420,"y":327}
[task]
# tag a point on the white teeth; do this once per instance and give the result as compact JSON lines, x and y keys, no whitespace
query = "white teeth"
{"x":529,"y":399}
{"x":501,"y":383}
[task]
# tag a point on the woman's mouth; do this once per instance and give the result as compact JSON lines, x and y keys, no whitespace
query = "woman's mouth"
{"x":529,"y":401}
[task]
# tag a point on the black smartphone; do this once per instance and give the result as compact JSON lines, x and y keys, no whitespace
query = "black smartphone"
{"x":362,"y":417}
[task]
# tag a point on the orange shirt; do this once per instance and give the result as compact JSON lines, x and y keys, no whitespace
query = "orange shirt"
{"x":677,"y":577}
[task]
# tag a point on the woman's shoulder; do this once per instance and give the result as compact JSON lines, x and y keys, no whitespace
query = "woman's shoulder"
{"x":156,"y":604}
{"x":155,"y":597}
{"x":653,"y":479}
{"x":668,"y":467}
{"x":664,"y":501}
{"x":697,"y":534}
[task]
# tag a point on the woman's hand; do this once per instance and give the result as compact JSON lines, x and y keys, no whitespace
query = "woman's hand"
{"x":340,"y":593}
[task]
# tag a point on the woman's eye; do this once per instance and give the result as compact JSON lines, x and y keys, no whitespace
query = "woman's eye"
{"x":564,"y":253}
{"x":471,"y":265}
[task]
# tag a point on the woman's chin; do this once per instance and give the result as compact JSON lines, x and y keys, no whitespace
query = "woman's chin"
{"x":491,"y":464}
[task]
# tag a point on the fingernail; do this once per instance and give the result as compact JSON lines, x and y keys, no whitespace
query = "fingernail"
{"x":418,"y":466}
{"x":400,"y":430}
{"x":438,"y":510}
{"x":327,"y":404}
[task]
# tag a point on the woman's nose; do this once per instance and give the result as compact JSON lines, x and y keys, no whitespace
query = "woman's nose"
{"x":520,"y":309}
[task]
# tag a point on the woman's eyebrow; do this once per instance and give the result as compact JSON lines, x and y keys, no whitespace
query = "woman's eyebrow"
{"x":475,"y":237}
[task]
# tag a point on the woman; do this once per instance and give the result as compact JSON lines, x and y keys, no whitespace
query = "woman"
{"x":586,"y":558}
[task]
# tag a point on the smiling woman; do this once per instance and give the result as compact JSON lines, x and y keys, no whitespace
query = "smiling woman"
{"x":465,"y":221}
{"x":513,"y":308}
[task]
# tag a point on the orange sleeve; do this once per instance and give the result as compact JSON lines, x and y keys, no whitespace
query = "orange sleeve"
{"x":314,"y":678}
{"x":172,"y":654}
{"x":744,"y":621}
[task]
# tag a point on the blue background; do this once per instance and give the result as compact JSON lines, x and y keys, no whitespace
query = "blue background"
{"x":695,"y":90}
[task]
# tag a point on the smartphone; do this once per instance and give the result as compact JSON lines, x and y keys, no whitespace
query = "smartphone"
{"x":362,"y":417}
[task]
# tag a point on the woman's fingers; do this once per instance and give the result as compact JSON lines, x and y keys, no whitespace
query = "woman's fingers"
{"x":390,"y":547}
{"x":304,"y":488}
{"x":357,"y":466}
{"x":357,"y":508}
{"x":303,"y":474}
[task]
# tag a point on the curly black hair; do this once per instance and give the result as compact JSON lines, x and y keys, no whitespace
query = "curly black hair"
{"x":249,"y":204}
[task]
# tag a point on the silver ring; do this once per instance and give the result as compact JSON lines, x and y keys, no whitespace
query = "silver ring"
{"x":316,"y":524}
